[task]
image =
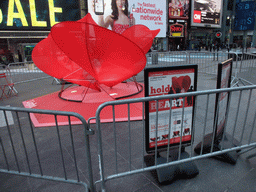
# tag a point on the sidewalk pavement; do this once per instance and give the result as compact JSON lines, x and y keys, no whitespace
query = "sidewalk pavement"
{"x":214,"y":176}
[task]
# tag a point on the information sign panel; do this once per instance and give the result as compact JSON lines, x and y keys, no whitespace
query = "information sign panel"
{"x":165,"y":116}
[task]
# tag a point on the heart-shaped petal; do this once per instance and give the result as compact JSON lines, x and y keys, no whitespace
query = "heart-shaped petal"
{"x":141,"y":35}
{"x":49,"y":58}
{"x":83,"y":47}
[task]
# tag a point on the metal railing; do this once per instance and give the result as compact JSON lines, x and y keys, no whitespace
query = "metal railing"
{"x":243,"y":64}
{"x":121,"y":147}
{"x":23,"y":72}
{"x":207,"y":63}
{"x":49,"y":153}
{"x":246,"y":68}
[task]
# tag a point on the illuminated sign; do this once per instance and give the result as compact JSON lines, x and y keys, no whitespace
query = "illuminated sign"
{"x":176,"y":30}
{"x":146,"y":12}
{"x":245,"y":15}
{"x":206,"y":13}
{"x":178,"y":9}
{"x":36,"y":14}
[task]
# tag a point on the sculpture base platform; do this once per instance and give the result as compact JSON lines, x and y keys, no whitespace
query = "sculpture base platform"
{"x":87,"y":106}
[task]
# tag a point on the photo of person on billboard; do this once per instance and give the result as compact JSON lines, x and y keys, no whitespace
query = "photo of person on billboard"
{"x":120,"y":19}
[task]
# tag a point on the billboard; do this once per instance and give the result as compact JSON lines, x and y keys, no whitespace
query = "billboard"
{"x":178,"y":9}
{"x":146,"y":12}
{"x":169,"y":121}
{"x":38,"y":15}
{"x":245,"y":15}
{"x":206,"y":13}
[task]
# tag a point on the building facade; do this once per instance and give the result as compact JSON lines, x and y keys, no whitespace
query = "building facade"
{"x":233,"y":26}
{"x":191,"y":24}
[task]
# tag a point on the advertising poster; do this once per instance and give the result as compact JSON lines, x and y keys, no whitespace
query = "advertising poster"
{"x":146,"y":12}
{"x":178,"y":9}
{"x":224,"y":80}
{"x":163,"y":81}
{"x":18,"y":15}
{"x":206,"y":13}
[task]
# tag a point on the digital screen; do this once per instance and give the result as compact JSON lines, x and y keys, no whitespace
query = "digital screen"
{"x":36,"y":15}
{"x":245,"y":15}
{"x":206,"y":13}
{"x":178,"y":9}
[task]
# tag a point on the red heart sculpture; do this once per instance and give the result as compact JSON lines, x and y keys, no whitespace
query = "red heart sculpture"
{"x":84,"y":53}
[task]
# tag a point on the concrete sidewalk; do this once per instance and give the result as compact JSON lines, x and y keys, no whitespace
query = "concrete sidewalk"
{"x":214,"y":175}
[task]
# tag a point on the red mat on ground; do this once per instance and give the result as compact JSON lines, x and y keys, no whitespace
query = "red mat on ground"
{"x":87,"y":108}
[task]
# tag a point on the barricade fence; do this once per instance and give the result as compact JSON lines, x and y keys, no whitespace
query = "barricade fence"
{"x":45,"y":152}
{"x":246,"y":68}
{"x":23,"y":72}
{"x":58,"y":153}
{"x":122,"y":145}
{"x":207,"y":62}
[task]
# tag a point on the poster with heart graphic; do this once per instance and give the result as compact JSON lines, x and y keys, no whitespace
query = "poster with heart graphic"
{"x":169,"y":120}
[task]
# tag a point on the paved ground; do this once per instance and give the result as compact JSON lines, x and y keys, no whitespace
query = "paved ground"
{"x":214,"y":175}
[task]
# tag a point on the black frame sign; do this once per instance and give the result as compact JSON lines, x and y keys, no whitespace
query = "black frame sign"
{"x":222,"y":99}
{"x":163,"y":81}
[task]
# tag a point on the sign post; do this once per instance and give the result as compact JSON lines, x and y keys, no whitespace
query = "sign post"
{"x":169,"y":122}
{"x":219,"y":138}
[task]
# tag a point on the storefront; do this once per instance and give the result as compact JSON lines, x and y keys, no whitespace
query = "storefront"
{"x":19,"y":45}
{"x":203,"y":39}
{"x":178,"y":36}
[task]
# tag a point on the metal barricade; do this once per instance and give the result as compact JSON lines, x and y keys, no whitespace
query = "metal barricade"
{"x":23,"y":72}
{"x":243,"y":71}
{"x":121,"y":147}
{"x":207,"y":61}
{"x":167,"y":58}
{"x":59,"y":153}
{"x":246,"y":69}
